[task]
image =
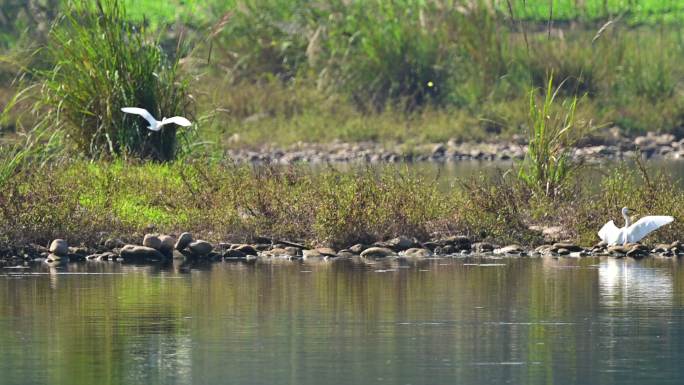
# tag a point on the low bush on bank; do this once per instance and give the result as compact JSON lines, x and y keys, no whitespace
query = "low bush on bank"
{"x":86,"y":201}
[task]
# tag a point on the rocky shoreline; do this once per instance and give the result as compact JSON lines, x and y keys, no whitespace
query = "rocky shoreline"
{"x":664,"y":146}
{"x":161,"y":248}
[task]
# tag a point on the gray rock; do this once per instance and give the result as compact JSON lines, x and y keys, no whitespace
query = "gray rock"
{"x":618,"y":250}
{"x":140,"y":253}
{"x":200,"y":248}
{"x":400,"y":243}
{"x":277,"y":251}
{"x":510,"y":250}
{"x":417,"y":253}
{"x":661,"y":247}
{"x":293,"y":251}
{"x":113,"y":243}
{"x":482,"y":247}
{"x":567,"y":245}
{"x":152,"y":240}
{"x":346,"y":254}
{"x":247,"y":249}
{"x":448,"y":249}
{"x":377,"y":252}
{"x":59,"y":247}
{"x":311,"y":254}
{"x":438,"y":150}
{"x":458,"y":240}
{"x":636,"y":252}
{"x":262,"y":246}
{"x":666,"y":254}
{"x":107,"y":256}
{"x":358,"y":248}
{"x":167,"y":243}
{"x":326,"y":251}
{"x":183,"y":241}
{"x":234,"y":255}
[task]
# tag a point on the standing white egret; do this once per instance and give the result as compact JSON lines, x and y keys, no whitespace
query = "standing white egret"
{"x":632,"y":233}
{"x":156,"y":125}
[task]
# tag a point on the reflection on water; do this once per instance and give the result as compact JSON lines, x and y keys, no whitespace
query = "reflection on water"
{"x":625,"y":281}
{"x":465,"y":321}
{"x":446,"y":174}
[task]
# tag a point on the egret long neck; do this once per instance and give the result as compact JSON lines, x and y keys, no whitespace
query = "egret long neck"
{"x":628,"y":222}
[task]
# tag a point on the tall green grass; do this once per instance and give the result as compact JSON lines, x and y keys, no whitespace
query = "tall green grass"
{"x":103,"y":62}
{"x":279,"y":71}
{"x":553,"y":130}
{"x":407,"y":55}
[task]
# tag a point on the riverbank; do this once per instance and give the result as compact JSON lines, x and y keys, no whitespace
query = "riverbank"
{"x":162,"y":249}
{"x":650,"y":146}
{"x":88,"y":202}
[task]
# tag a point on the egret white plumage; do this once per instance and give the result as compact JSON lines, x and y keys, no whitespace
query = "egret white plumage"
{"x":156,"y":125}
{"x":632,"y":232}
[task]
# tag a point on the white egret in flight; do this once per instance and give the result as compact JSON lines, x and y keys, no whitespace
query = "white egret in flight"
{"x":156,"y":125}
{"x":632,"y":232}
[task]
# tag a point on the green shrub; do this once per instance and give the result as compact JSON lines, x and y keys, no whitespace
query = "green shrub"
{"x":552,"y":133}
{"x":102,"y":62}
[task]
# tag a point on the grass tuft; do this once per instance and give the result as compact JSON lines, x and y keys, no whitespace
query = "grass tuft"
{"x":103,"y":62}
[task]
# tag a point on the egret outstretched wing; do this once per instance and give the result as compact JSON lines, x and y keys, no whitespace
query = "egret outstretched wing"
{"x":179,"y":120}
{"x":142,"y":112}
{"x":610,"y":233}
{"x":645,"y":225}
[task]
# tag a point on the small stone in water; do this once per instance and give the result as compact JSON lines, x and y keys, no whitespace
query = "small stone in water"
{"x":377,"y":252}
{"x":183,"y":241}
{"x":200,"y":248}
{"x":113,"y":243}
{"x":152,"y":240}
{"x":59,"y":247}
{"x":167,"y":243}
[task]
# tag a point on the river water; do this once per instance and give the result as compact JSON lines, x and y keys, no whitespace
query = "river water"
{"x":439,"y":321}
{"x":445,"y":175}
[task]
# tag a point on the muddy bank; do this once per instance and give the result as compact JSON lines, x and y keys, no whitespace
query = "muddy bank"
{"x":664,"y":146}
